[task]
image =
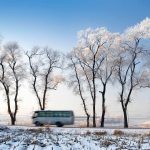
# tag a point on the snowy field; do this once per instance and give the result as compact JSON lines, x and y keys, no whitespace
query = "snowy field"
{"x":52,"y":138}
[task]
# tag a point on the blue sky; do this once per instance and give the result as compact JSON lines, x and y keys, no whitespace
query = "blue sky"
{"x":56,"y":22}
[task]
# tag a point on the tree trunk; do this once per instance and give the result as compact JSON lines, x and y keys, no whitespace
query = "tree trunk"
{"x":88,"y":121}
{"x":103,"y":114}
{"x":94,"y":115}
{"x":103,"y":106}
{"x":125,"y":118}
{"x":13,"y":120}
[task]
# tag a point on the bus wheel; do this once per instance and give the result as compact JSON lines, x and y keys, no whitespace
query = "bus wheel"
{"x":59,"y":124}
{"x":38,"y":124}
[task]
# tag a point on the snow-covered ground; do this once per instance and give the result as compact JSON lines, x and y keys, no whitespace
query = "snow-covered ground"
{"x":52,"y":138}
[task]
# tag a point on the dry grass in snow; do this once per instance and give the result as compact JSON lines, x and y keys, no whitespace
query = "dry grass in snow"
{"x":47,"y":138}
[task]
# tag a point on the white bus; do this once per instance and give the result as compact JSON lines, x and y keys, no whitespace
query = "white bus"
{"x":56,"y":117}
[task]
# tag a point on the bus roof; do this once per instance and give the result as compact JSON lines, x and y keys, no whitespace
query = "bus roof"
{"x":53,"y":111}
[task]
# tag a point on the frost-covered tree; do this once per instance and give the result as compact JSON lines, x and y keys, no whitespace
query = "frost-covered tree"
{"x":131,"y":62}
{"x":106,"y":69}
{"x":90,"y":49}
{"x":76,"y":80}
{"x":43,"y":66}
{"x":11,"y":74}
{"x":91,"y":53}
